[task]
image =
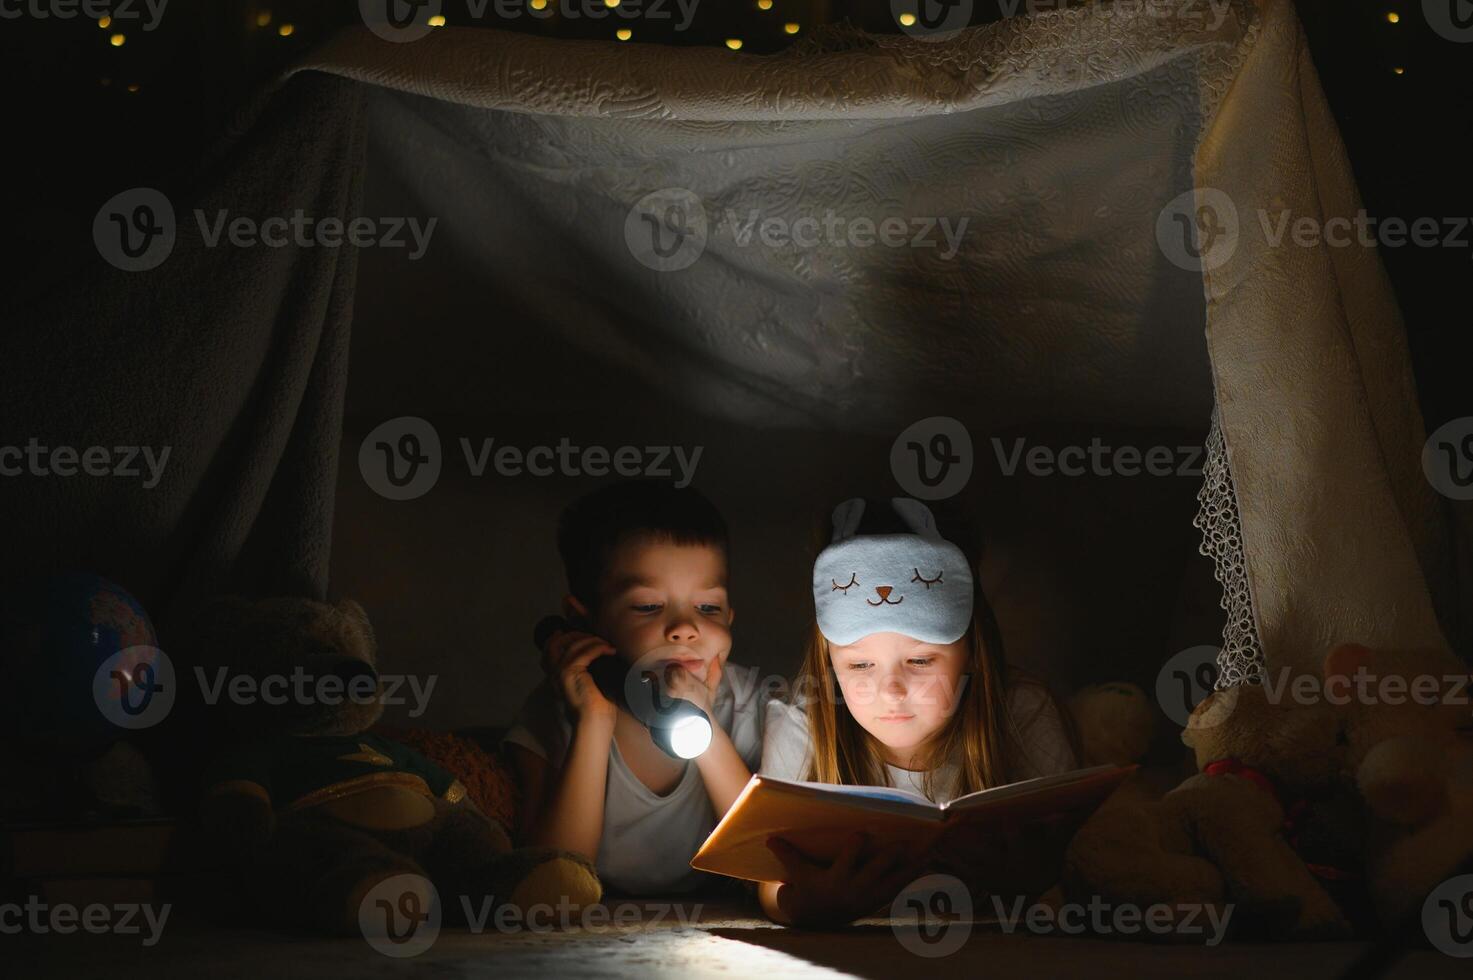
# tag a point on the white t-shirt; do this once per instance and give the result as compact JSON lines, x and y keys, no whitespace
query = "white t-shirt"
{"x":1040,"y":743}
{"x":648,"y":840}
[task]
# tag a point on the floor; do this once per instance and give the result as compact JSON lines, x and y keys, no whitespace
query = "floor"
{"x":656,"y":939}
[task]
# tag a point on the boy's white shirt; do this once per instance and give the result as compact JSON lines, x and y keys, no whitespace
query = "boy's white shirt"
{"x":1040,"y":743}
{"x":648,"y":840}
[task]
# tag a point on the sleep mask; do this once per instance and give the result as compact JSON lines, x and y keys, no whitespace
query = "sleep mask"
{"x":916,"y":584}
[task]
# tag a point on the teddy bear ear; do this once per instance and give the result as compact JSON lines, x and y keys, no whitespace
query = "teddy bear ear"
{"x":355,"y":614}
{"x":1209,"y":714}
{"x":1346,"y":659}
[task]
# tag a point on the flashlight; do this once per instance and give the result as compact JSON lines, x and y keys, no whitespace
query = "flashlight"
{"x":678,"y":727}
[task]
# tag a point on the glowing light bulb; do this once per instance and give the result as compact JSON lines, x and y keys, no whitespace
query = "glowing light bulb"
{"x":263,"y":19}
{"x":690,"y":737}
{"x":105,"y":22}
{"x":539,"y":4}
{"x":764,"y":4}
{"x":1393,"y":17}
{"x":286,"y":30}
{"x":907,"y":20}
{"x":437,"y":21}
{"x":735,"y":43}
{"x":611,"y":3}
{"x":117,"y":40}
{"x":623,"y":33}
{"x":790,"y":28}
{"x":1400,"y":71}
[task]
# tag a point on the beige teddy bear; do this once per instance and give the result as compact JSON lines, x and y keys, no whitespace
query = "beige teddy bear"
{"x":1409,"y":742}
{"x":1218,"y":841}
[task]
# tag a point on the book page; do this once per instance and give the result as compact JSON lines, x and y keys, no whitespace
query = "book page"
{"x":817,"y":818}
{"x":895,"y":794}
{"x":985,"y":797}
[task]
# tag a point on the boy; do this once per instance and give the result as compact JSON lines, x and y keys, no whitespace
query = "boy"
{"x":647,"y":572}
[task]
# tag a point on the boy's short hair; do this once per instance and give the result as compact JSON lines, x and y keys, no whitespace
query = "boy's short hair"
{"x":594,"y":525}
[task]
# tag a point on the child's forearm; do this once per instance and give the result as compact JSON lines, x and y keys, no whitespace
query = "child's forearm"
{"x":788,"y":905}
{"x":723,"y":771}
{"x":574,"y":821}
{"x":768,"y":897}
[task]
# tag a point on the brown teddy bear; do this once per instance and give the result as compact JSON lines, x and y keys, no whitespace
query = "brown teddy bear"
{"x":1115,"y":722}
{"x":318,"y":810}
{"x":1409,"y":741}
{"x":1226,"y":836}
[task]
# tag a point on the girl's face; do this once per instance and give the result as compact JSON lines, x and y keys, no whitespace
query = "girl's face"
{"x":900,"y":690}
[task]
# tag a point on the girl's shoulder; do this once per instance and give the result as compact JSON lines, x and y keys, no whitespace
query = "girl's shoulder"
{"x":1028,"y":698}
{"x":784,"y":719}
{"x":1039,"y":729}
{"x":785,"y":740}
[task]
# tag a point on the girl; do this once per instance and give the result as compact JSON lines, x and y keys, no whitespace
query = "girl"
{"x":924,"y":702}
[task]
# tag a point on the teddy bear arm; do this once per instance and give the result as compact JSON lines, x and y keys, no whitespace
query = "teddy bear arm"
{"x":1239,"y":826}
{"x":1140,"y":854}
{"x":239,"y":814}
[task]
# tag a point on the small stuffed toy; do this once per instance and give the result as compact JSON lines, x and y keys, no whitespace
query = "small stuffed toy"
{"x":1115,"y":722}
{"x":315,"y":809}
{"x":1227,"y":835}
{"x":1409,"y":735}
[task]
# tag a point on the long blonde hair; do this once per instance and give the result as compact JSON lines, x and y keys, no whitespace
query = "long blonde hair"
{"x":979,"y":735}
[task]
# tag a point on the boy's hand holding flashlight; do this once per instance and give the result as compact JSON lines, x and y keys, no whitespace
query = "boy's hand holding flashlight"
{"x":566,"y":654}
{"x":681,"y":683}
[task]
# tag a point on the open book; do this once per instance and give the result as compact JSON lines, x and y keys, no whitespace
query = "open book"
{"x":818,"y":817}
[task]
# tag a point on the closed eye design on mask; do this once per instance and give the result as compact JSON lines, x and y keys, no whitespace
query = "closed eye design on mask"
{"x":853,"y":581}
{"x":927,"y":582}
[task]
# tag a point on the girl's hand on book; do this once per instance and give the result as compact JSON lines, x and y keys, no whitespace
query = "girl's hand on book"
{"x":859,"y":880}
{"x":1022,"y":861}
{"x":568,"y":657}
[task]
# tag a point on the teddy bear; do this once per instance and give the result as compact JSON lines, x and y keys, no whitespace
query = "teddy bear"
{"x":318,"y":811}
{"x":1231,"y":839}
{"x":1115,"y":723}
{"x":1409,"y":744}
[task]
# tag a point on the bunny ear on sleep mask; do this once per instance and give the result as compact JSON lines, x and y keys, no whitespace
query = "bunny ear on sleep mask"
{"x":917,"y":584}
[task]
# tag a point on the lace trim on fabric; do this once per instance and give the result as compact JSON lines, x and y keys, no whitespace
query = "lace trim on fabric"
{"x":1241,"y":658}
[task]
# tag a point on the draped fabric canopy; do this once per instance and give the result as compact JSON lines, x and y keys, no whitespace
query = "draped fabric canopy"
{"x":1062,"y":217}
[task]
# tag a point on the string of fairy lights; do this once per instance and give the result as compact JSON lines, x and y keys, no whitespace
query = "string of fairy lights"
{"x":278,"y":32}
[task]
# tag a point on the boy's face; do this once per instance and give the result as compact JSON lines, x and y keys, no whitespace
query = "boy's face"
{"x":900,"y":690}
{"x":667,"y":599}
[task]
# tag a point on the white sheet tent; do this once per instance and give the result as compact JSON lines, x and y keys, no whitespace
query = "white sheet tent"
{"x":1066,"y":139}
{"x":1062,"y":138}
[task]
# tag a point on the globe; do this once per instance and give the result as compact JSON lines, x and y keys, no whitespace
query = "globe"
{"x":55,"y":636}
